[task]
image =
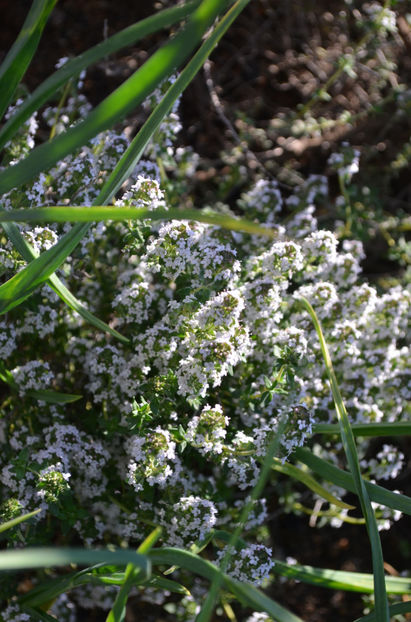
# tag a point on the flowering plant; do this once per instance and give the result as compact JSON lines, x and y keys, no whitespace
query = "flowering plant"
{"x":198,"y":375}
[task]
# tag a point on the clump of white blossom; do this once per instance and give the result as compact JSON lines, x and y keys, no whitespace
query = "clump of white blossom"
{"x":220,"y":355}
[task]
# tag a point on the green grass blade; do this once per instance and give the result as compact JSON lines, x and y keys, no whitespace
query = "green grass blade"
{"x":120,"y":102}
{"x":25,"y":282}
{"x":305,"y":478}
{"x":27,"y":252}
{"x":341,"y":478}
{"x":128,"y":36}
{"x":18,"y":59}
{"x":395,"y":428}
{"x":339,"y":579}
{"x":118,"y":611}
{"x":37,"y":614}
{"x":21,"y":559}
{"x":347,"y":437}
{"x":16,"y":521}
{"x":100,"y":213}
{"x":397,"y":609}
{"x":251,"y":596}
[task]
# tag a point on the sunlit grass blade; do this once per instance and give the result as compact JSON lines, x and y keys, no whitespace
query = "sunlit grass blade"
{"x":118,"y":611}
{"x":21,"y":559}
{"x":16,"y":521}
{"x":18,"y":59}
{"x":339,"y":579}
{"x":394,"y":428}
{"x":72,"y":68}
{"x":39,"y":272}
{"x":120,"y":102}
{"x":25,"y":282}
{"x":250,"y":595}
{"x":397,"y":609}
{"x":341,"y":478}
{"x":347,"y":437}
{"x":305,"y":478}
{"x":100,"y":213}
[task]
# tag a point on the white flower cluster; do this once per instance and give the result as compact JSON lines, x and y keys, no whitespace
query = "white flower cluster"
{"x":250,"y":564}
{"x":220,"y":355}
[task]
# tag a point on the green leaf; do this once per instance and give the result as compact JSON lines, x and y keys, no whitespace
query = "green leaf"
{"x":337,"y":476}
{"x":16,"y":521}
{"x":340,"y":580}
{"x":21,"y":559}
{"x":72,"y":68}
{"x":397,"y":609}
{"x":37,"y":614}
{"x":120,"y":102}
{"x":347,"y":437}
{"x":305,"y":478}
{"x":18,"y":59}
{"x":396,"y":428}
{"x":53,"y":397}
{"x":250,"y":595}
{"x":118,"y":611}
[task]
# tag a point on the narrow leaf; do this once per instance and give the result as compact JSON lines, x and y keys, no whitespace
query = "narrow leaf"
{"x":337,"y":476}
{"x":250,"y":595}
{"x":305,"y":478}
{"x":340,"y":580}
{"x":397,"y":609}
{"x":394,"y":428}
{"x":16,"y":521}
{"x":347,"y":437}
{"x":46,"y":557}
{"x":18,"y":59}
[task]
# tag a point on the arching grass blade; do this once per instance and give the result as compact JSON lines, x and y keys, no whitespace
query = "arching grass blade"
{"x":337,"y":476}
{"x":20,"y":559}
{"x":18,"y":59}
{"x":347,"y":437}
{"x":394,"y":428}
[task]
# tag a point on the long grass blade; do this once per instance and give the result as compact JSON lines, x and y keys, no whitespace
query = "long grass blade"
{"x":397,"y":609}
{"x":394,"y":428}
{"x":341,"y":478}
{"x":72,"y":68}
{"x":100,"y":213}
{"x":18,"y":59}
{"x":339,"y":579}
{"x":118,"y":611}
{"x":347,"y":437}
{"x":120,"y":102}
{"x":250,"y":595}
{"x":21,"y":559}
{"x":305,"y":478}
{"x":16,"y":521}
